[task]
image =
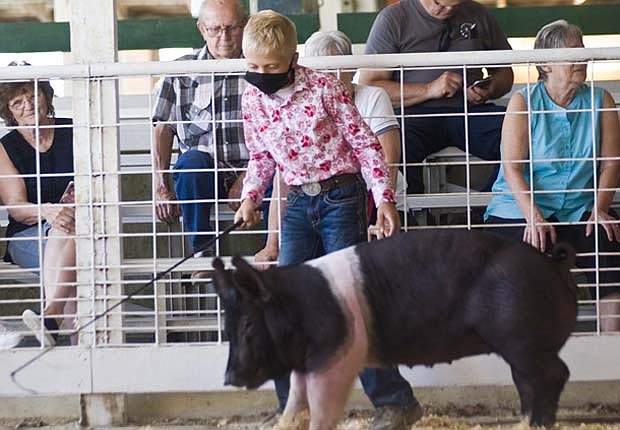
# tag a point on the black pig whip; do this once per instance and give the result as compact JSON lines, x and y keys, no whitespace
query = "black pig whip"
{"x":116,"y":305}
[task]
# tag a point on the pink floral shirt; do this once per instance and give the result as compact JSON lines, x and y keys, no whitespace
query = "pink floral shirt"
{"x":314,"y":133}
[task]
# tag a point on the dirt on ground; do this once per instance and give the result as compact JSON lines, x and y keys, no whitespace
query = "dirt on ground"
{"x":589,"y":417}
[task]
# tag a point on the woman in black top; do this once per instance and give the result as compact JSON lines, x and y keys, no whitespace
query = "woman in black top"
{"x":31,"y":153}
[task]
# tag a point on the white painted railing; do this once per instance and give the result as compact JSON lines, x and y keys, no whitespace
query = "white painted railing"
{"x":144,"y":360}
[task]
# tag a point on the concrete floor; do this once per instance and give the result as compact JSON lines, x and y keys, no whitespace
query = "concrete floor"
{"x":432,"y":422}
{"x":597,"y":405}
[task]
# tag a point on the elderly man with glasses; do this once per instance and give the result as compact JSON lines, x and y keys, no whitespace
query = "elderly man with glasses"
{"x":416,"y":26}
{"x":204,"y":113}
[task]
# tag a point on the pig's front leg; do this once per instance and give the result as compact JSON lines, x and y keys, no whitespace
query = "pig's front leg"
{"x":328,"y":392}
{"x":295,"y":415}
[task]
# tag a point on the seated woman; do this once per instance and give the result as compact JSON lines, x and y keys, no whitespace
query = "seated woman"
{"x":551,"y":151}
{"x":28,"y":154}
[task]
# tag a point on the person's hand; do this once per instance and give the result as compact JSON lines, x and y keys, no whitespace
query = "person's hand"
{"x":388,"y":222}
{"x":266,"y":255}
{"x":612,"y":230}
{"x":445,"y":86}
{"x":61,"y":218}
{"x":234,"y":192}
{"x":537,"y":237}
{"x":166,"y":211}
{"x":248,"y":213}
{"x":478,"y":95}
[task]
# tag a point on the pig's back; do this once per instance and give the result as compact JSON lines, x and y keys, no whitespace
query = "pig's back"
{"x":434,"y":296}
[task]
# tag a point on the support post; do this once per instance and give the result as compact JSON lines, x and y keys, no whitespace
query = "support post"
{"x":96,"y":143}
{"x":98,"y":410}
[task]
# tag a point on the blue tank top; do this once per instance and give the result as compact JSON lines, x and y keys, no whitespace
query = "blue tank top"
{"x":564,"y":133}
{"x":57,"y":159}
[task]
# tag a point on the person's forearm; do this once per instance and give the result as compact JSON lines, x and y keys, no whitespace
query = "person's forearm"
{"x":502,"y":82}
{"x":412,"y":94}
{"x":277,"y":207}
{"x":607,"y":180}
{"x":521,"y":192}
{"x":29,"y":214}
{"x":259,"y":173}
{"x":390,"y":142}
{"x":273,"y":239}
{"x":162,"y":155}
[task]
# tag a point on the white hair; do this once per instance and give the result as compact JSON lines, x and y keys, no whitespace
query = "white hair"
{"x":328,"y":43}
{"x":238,"y":4}
{"x":556,"y":34}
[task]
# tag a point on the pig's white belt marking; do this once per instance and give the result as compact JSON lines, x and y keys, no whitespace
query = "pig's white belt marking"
{"x":342,"y":271}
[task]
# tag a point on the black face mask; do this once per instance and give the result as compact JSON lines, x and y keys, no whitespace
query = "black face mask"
{"x":269,"y":83}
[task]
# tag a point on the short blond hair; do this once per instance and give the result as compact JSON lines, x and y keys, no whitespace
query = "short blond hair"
{"x":270,"y":32}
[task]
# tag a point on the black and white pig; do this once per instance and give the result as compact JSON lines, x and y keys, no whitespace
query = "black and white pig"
{"x":422,"y":297}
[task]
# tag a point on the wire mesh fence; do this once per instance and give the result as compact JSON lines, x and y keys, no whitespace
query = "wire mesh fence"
{"x":112,"y":241}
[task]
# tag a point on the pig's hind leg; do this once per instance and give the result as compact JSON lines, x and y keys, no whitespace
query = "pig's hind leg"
{"x":540,"y":381}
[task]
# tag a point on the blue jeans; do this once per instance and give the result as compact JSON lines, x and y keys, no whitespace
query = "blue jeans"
{"x":25,"y":253}
{"x":426,"y":135}
{"x":196,"y":186}
{"x":315,"y":226}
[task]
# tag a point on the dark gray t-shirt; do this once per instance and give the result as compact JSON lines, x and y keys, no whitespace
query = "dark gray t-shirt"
{"x":406,"y":27}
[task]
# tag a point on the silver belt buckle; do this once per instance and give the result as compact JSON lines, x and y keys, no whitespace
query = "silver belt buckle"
{"x":311,"y":189}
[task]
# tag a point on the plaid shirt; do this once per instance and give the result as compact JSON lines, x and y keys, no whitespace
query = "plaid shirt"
{"x":194,"y":100}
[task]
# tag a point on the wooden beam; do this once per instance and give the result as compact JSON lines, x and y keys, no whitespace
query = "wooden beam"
{"x":34,"y":37}
{"x":132,"y":34}
{"x":181,"y":32}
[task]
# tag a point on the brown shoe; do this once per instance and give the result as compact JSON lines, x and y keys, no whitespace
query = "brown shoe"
{"x":396,"y":417}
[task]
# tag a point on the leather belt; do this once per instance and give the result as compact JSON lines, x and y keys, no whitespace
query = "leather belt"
{"x":315,"y":188}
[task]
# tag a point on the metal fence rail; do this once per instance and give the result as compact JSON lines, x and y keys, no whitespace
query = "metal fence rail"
{"x":158,"y":340}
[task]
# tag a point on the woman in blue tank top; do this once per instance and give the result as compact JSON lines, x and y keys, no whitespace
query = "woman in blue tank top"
{"x":559,"y":142}
{"x":41,"y":162}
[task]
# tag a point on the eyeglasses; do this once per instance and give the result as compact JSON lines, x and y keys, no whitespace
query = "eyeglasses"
{"x":19,"y":63}
{"x":19,"y":102}
{"x":219,"y":30}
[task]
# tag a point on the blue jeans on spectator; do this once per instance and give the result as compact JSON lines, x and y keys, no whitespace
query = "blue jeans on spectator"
{"x":25,"y":253}
{"x":196,"y":186}
{"x":426,"y":135}
{"x":317,"y":225}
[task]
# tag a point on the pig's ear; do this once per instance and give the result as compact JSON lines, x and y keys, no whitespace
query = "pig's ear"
{"x":249,"y":281}
{"x":218,"y":264}
{"x":222,"y":286}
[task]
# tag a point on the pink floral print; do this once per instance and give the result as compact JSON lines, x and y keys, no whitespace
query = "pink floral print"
{"x":313,"y":133}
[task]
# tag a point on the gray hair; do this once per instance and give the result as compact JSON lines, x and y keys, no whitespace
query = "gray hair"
{"x":328,"y":43}
{"x":238,"y":4}
{"x":556,"y":34}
